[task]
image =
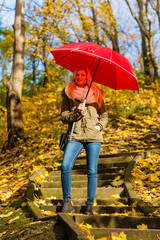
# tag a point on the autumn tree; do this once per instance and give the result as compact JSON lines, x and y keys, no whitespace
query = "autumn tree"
{"x":145,"y":25}
{"x":14,"y":86}
{"x":93,"y":21}
{"x":32,"y":58}
{"x":108,"y":23}
{"x":61,"y":22}
{"x":6,"y":51}
{"x":43,"y":28}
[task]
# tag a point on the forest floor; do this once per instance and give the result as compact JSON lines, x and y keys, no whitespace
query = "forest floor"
{"x":16,"y":223}
{"x":134,"y":126}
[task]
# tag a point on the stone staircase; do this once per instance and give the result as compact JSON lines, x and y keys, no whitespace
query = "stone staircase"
{"x":113,"y":211}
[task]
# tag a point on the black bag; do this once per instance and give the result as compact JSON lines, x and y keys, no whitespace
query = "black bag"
{"x":64,"y":138}
{"x":63,"y":141}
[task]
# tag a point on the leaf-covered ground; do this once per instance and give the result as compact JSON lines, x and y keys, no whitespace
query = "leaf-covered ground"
{"x":146,"y":181}
{"x":16,"y":223}
{"x":134,"y":125}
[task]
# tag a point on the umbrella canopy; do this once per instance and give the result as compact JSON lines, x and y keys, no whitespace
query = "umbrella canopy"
{"x":108,"y":68}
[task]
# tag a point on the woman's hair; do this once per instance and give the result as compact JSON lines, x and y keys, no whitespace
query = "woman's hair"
{"x":99,"y":93}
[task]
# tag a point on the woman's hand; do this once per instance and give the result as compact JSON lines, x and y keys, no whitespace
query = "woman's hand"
{"x":81,"y":106}
{"x":97,"y":127}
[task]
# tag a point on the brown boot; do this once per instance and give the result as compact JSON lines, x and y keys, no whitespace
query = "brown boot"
{"x":67,"y":207}
{"x":89,"y":209}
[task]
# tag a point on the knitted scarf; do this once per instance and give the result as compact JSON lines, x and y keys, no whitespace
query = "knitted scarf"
{"x":75,"y":92}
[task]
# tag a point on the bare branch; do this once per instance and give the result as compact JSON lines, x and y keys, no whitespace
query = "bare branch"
{"x":156,"y":8}
{"x":138,"y":21}
{"x":2,"y":6}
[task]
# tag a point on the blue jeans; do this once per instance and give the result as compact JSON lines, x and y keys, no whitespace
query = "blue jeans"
{"x":73,"y":149}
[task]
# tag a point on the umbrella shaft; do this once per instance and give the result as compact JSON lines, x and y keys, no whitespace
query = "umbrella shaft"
{"x":93,"y":78}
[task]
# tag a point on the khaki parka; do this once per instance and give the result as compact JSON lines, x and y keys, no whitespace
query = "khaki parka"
{"x":84,"y":130}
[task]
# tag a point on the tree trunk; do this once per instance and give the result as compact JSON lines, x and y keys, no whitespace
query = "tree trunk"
{"x":94,"y":19}
{"x":147,"y":33}
{"x":154,"y":62}
{"x":34,"y":75}
{"x":146,"y":62}
{"x":83,"y":21}
{"x":108,"y":24}
{"x":14,"y":86}
{"x":113,"y":31}
{"x":45,"y":63}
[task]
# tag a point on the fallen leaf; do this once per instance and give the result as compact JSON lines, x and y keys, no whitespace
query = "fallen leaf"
{"x":95,"y":203}
{"x":115,"y":196}
{"x":46,"y":174}
{"x":84,"y":228}
{"x":6,"y":215}
{"x":116,"y":183}
{"x":1,"y":234}
{"x":143,"y":226}
{"x":13,"y":219}
{"x":24,"y":204}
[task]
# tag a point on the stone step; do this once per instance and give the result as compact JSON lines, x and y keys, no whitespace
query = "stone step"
{"x":96,"y":209}
{"x":81,"y":192}
{"x":75,"y":184}
{"x":83,"y":201}
{"x":109,"y":167}
{"x":109,"y":160}
{"x":101,"y":221}
{"x":76,"y":176}
{"x":100,"y":167}
{"x":132,"y":234}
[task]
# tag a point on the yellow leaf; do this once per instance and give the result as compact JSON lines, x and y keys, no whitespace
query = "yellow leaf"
{"x":156,"y":202}
{"x":6,"y":215}
{"x":13,"y":219}
{"x":153,"y":190}
{"x":115,"y":196}
{"x":95,"y":203}
{"x":58,"y":204}
{"x":88,"y":225}
{"x":143,"y":226}
{"x":24,"y":204}
{"x":121,"y":236}
{"x":116,"y":183}
{"x":39,"y":179}
{"x":154,"y":178}
{"x":48,"y":212}
{"x":158,"y":237}
{"x":36,"y":168}
{"x":84,"y":228}
{"x":91,"y":238}
{"x":117,"y":178}
{"x":118,"y":203}
{"x":1,"y":234}
{"x":95,"y":213}
{"x":46,"y":174}
{"x":139,"y":181}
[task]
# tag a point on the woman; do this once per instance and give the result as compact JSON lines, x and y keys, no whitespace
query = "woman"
{"x":90,"y":118}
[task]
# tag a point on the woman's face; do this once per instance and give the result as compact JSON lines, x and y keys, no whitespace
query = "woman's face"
{"x":80,"y":78}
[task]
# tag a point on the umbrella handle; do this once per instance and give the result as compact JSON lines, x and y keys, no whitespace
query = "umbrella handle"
{"x":92,"y":78}
{"x":84,"y":102}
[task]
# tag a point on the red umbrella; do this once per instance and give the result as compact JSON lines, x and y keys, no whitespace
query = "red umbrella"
{"x":108,"y":68}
